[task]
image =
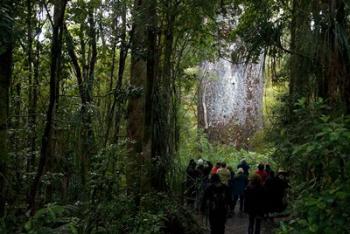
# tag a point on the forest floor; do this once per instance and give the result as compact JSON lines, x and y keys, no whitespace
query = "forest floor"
{"x":238,"y":224}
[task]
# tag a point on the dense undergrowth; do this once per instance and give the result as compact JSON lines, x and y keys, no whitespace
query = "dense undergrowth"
{"x":314,"y":147}
{"x":104,"y":207}
{"x":157,"y":213}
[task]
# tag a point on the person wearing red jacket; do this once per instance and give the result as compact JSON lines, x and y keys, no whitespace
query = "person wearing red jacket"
{"x":215,"y":169}
{"x":261,"y":172}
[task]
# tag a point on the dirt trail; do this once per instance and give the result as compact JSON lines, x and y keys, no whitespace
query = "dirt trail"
{"x":238,"y":224}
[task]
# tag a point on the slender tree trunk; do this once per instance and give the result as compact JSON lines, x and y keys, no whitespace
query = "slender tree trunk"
{"x":111,"y":76}
{"x":118,"y":102}
{"x":15,"y":139}
{"x":84,"y":101}
{"x":123,"y":52}
{"x":6,"y":62}
{"x":85,"y":78}
{"x":34,"y":103}
{"x":87,"y":131}
{"x":31,"y":101}
{"x":5,"y":77}
{"x":56,"y":48}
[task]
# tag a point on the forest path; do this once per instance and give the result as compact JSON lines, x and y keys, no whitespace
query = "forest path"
{"x":238,"y":224}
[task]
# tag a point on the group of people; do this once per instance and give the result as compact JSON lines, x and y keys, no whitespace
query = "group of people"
{"x":216,"y":189}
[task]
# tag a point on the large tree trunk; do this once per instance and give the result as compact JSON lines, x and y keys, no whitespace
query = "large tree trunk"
{"x":338,"y":67}
{"x":230,"y":93}
{"x":151,"y":99}
{"x":299,"y":66}
{"x":56,"y":48}
{"x":135,"y":109}
{"x":152,"y":144}
{"x":230,"y":101}
{"x":162,"y":96}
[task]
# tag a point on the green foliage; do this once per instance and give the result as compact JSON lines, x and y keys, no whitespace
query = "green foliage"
{"x":196,"y":145}
{"x":260,"y":26}
{"x":160,"y":213}
{"x":6,"y":24}
{"x":108,"y":209}
{"x":52,"y":219}
{"x":113,"y":215}
{"x":315,"y":148}
{"x":157,"y":214}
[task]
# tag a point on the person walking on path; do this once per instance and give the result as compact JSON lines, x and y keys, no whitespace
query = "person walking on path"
{"x":254,"y":204}
{"x":281,"y":186}
{"x":261,"y":172}
{"x":240,"y":181}
{"x":224,"y":174}
{"x":190,"y":184}
{"x":269,"y":170}
{"x":216,"y":199}
{"x":215,"y":169}
{"x":245,"y":166}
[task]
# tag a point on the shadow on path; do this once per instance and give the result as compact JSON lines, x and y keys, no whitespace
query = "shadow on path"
{"x":238,"y":224}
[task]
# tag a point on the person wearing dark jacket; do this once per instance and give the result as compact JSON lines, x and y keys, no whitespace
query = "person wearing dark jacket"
{"x":216,"y":199}
{"x":281,"y":186}
{"x":239,"y":183}
{"x":270,"y":190}
{"x":254,"y":204}
{"x":269,"y":170}
{"x":245,"y":166}
{"x":191,"y":178}
{"x":276,"y":188}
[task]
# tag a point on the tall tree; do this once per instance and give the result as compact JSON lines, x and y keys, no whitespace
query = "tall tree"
{"x":46,"y":144}
{"x":6,"y":47}
{"x":118,"y":102}
{"x":135,"y":109}
{"x":32,"y":87}
{"x":85,"y":74}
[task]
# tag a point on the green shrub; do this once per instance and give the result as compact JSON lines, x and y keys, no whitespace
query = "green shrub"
{"x":315,"y":149}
